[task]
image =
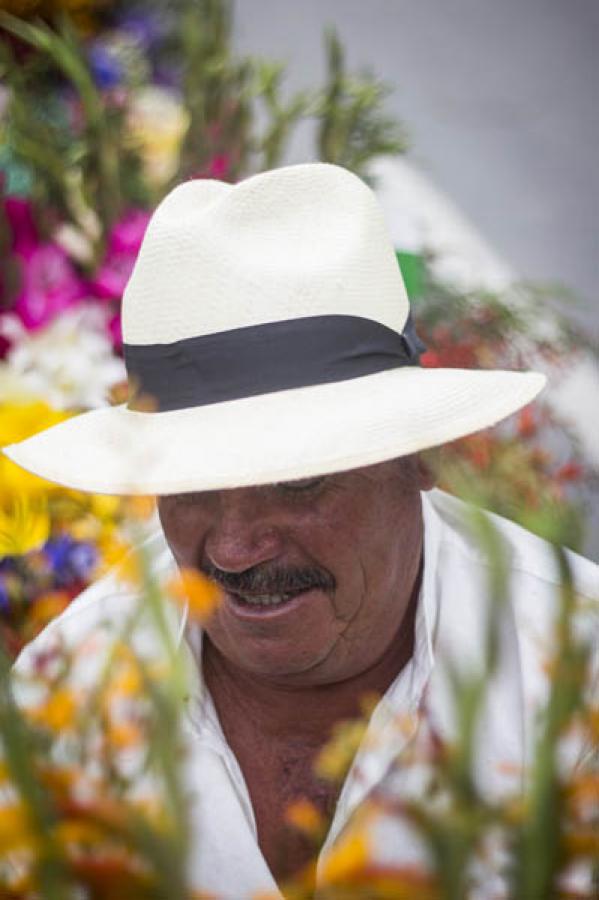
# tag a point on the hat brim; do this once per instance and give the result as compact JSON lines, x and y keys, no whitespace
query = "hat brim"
{"x":274,"y":437}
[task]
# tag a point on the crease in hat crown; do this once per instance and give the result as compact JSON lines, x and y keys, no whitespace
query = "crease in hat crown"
{"x":299,"y":241}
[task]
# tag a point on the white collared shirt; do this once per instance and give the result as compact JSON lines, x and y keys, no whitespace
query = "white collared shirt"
{"x":449,"y":630}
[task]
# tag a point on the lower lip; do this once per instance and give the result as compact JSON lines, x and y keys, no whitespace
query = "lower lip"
{"x":247,"y":611}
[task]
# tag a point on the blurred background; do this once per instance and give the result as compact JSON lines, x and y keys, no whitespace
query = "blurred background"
{"x":500,"y":105}
{"x":476,"y":124}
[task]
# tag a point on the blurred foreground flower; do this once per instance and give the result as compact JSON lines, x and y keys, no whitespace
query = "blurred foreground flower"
{"x":193,"y":590}
{"x":24,"y":526}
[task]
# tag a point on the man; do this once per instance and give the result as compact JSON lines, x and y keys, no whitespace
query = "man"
{"x":268,"y":325}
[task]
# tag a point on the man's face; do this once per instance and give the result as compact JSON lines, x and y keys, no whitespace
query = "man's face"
{"x":317,"y":574}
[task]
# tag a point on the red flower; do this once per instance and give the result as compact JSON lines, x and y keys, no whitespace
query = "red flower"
{"x":527,"y":422}
{"x":570,"y":471}
{"x":430,"y":359}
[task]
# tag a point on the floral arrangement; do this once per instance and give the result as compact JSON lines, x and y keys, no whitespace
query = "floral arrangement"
{"x":538,"y":842}
{"x":106,"y":105}
{"x":102,"y":112}
{"x":93,"y":800}
{"x":93,"y":771}
{"x":531,"y":468}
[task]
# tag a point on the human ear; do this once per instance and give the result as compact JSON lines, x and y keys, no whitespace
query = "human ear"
{"x":427,"y":464}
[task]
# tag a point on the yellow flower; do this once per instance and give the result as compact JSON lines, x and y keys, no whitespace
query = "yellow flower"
{"x":15,"y":828}
{"x":122,"y":558}
{"x":81,"y":832}
{"x":127,"y":681}
{"x":58,"y":712}
{"x":24,"y":526}
{"x":140,"y":507}
{"x":335,"y":758}
{"x":105,"y":507}
{"x":347,"y":860}
{"x":193,"y":588}
{"x":17,"y":422}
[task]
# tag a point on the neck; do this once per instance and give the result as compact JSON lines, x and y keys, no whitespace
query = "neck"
{"x":282,"y":711}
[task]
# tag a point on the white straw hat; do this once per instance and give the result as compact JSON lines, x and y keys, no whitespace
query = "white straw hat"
{"x":269,"y":324}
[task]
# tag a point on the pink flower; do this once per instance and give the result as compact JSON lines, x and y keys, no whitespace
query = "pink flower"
{"x":115,"y":331}
{"x":110,"y":280}
{"x":47,"y":282}
{"x":20,"y":219}
{"x":219,"y":166}
{"x":128,"y":232}
{"x":49,"y":285}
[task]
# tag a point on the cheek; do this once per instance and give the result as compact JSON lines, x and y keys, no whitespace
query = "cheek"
{"x":377,"y":547}
{"x":183,"y":530}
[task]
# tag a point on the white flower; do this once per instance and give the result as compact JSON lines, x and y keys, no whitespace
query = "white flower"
{"x":157,"y":124}
{"x":70,"y":364}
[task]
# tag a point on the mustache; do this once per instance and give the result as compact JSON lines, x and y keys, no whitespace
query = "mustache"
{"x":270,"y":579}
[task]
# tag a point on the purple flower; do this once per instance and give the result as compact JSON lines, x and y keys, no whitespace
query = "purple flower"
{"x":4,"y":598}
{"x":107,"y":68}
{"x":146,"y":29}
{"x":69,"y":560}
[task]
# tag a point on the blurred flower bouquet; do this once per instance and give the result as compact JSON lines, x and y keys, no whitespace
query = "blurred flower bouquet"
{"x":104,"y":106}
{"x":530,"y":468}
{"x":535,"y":840}
{"x":94,"y":805}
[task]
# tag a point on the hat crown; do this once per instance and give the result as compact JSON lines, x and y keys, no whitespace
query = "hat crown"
{"x":307,"y":240}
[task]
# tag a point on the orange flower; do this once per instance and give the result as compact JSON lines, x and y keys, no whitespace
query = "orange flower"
{"x":583,"y":842}
{"x":583,"y":791}
{"x":140,"y":507}
{"x":46,"y":608}
{"x":122,"y":735}
{"x":304,"y":816}
{"x":193,"y":588}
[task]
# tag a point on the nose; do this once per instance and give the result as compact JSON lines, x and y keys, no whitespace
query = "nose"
{"x":243,"y":533}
